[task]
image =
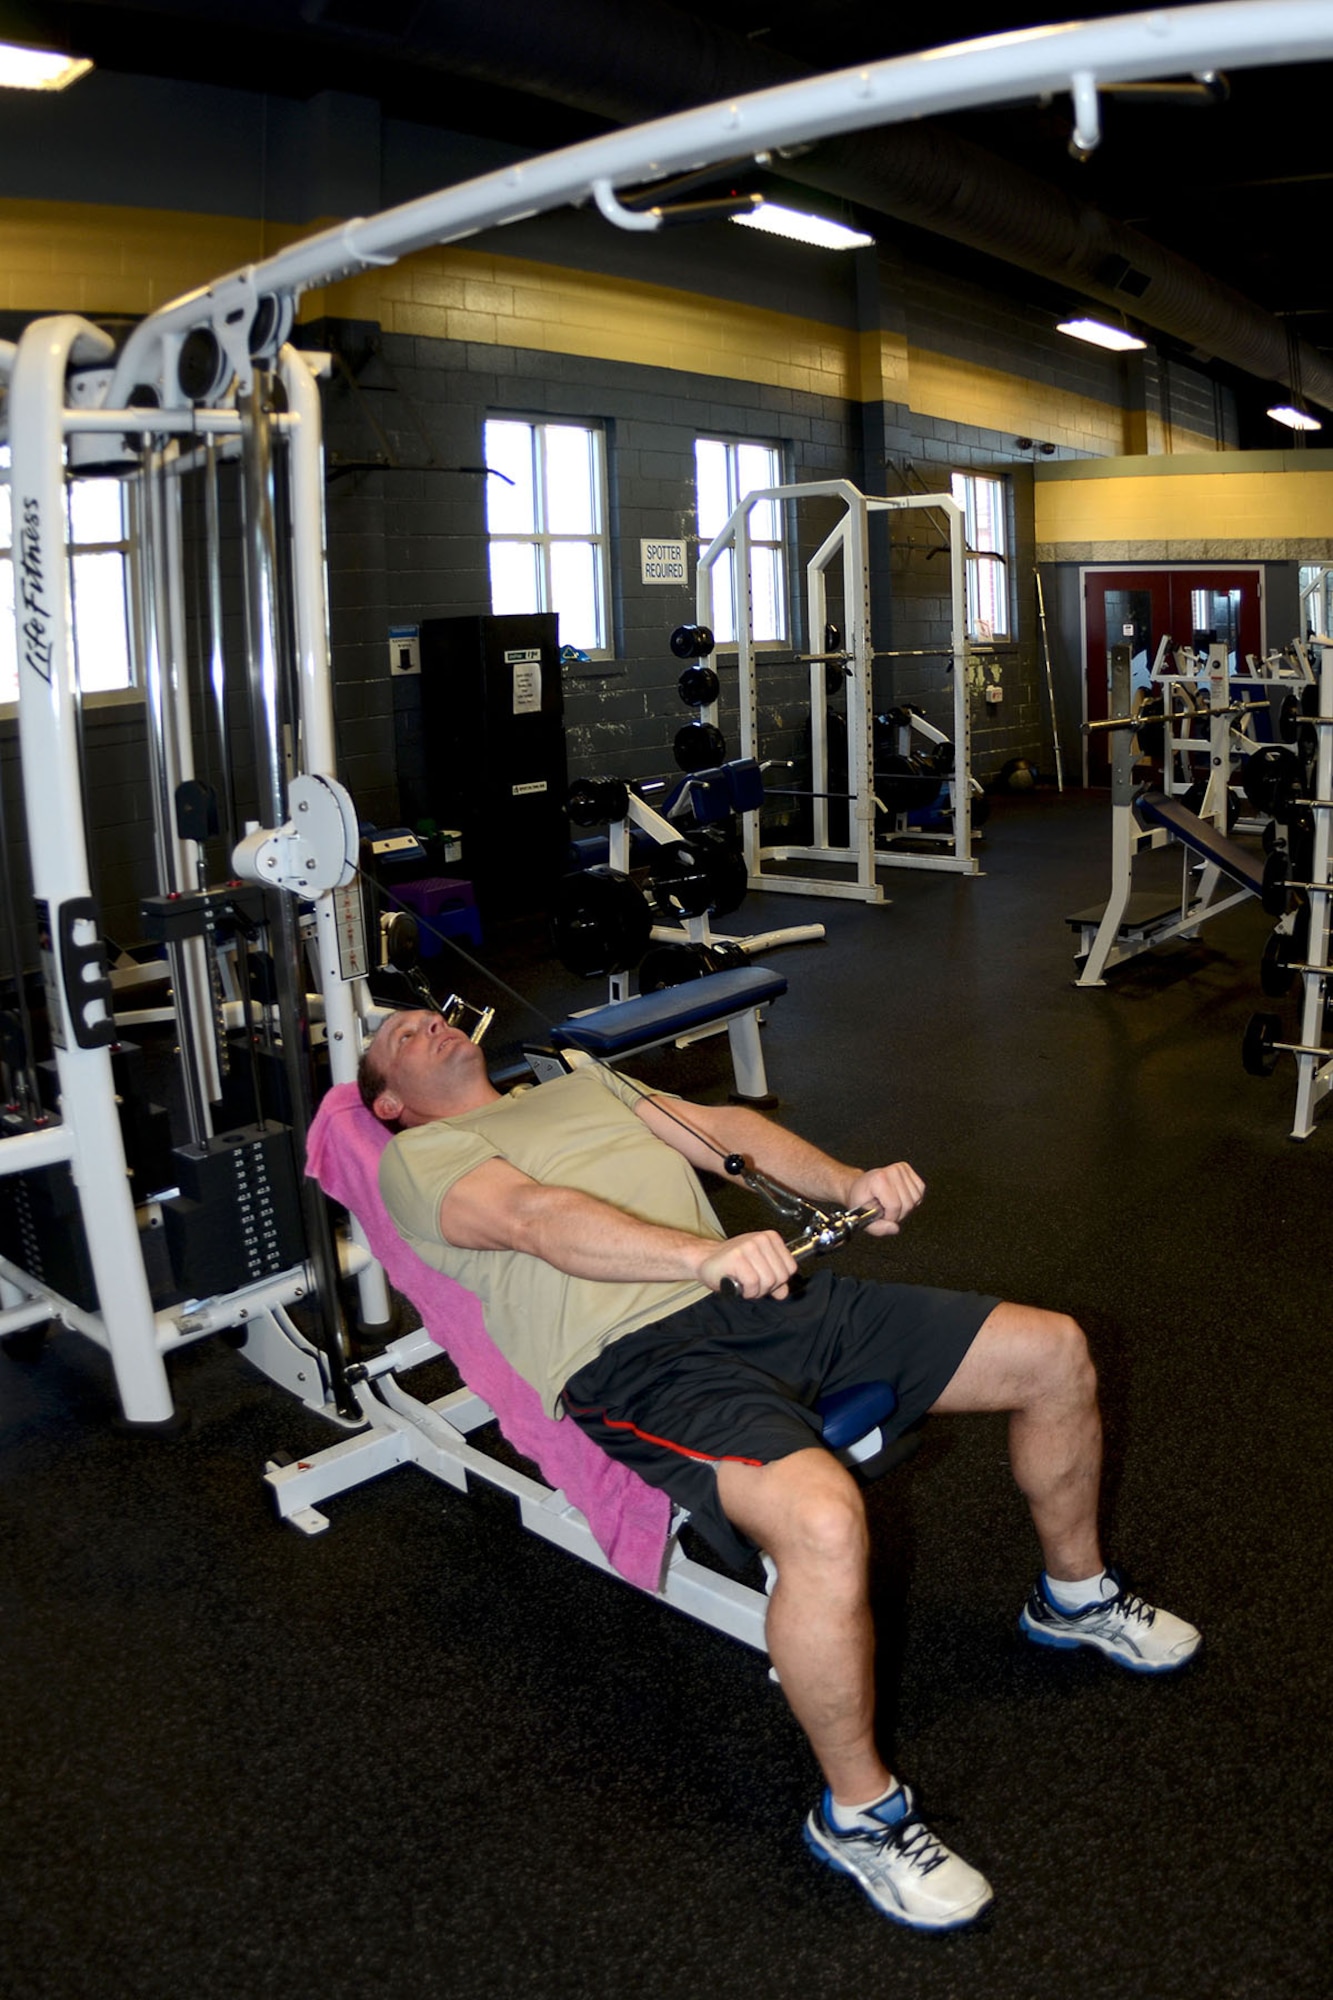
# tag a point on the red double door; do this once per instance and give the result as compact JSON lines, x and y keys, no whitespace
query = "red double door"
{"x":1195,"y":607}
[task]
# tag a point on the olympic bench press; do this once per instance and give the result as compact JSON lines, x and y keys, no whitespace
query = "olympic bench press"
{"x":585,"y":1502}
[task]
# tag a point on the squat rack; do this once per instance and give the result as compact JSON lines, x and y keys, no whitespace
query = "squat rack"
{"x":847,"y":544}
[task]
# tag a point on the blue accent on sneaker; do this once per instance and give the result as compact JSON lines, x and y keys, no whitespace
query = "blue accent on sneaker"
{"x":1136,"y":1635}
{"x":907,"y":1873}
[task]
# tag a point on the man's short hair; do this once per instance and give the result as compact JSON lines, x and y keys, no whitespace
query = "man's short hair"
{"x":369,"y":1077}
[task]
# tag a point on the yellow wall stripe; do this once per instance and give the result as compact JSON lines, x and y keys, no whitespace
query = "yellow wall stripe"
{"x":1251,"y":507}
{"x":104,"y":259}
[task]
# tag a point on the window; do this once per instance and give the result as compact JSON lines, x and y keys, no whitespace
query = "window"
{"x":96,"y":529}
{"x":1316,"y":599}
{"x":546,"y":519}
{"x":723,"y":474}
{"x":985,"y":505}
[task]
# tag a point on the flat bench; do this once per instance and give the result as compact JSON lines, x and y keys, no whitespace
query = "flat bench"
{"x":730,"y":999}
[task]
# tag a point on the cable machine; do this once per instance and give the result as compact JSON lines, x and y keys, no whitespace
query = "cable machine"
{"x":211,"y":378}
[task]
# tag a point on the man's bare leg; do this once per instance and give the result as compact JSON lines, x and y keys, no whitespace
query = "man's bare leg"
{"x":806,"y":1512}
{"x":1036,"y":1365}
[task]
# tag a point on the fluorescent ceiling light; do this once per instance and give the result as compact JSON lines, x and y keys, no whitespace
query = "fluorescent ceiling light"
{"x":1295,"y":420}
{"x":23,"y":68}
{"x":1100,"y":335}
{"x":801,"y":228}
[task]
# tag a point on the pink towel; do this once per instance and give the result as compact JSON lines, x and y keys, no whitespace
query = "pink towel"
{"x":630,"y":1519}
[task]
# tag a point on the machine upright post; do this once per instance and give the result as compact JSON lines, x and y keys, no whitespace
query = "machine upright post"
{"x":78,"y":991}
{"x":264,"y":654}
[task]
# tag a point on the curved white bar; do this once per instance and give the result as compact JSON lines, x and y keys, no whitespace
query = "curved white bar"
{"x":1033,"y":62}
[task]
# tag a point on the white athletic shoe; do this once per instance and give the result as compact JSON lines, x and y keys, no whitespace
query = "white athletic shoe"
{"x":905,"y":1871}
{"x":1133,"y":1634}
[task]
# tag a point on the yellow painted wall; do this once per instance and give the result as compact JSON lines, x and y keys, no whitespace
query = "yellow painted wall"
{"x":98,"y":260}
{"x":1278,"y":510}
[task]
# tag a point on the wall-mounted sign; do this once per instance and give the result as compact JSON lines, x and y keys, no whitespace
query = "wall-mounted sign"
{"x":404,"y":649}
{"x":663,"y":562}
{"x":526,"y":662}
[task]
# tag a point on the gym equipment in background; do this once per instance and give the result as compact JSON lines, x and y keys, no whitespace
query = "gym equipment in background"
{"x":847,"y":865}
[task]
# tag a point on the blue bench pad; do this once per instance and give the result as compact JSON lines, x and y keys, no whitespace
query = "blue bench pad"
{"x":1155,"y":809}
{"x":653,"y":1017}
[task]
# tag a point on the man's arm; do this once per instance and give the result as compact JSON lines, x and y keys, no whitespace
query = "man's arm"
{"x":785,"y":1156}
{"x":496,"y":1207}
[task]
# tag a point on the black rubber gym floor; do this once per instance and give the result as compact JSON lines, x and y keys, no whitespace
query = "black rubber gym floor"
{"x":427,"y":1754}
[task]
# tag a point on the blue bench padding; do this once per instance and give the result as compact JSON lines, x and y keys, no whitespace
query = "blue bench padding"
{"x":1155,"y":809}
{"x":850,"y":1414}
{"x":651,"y":1017}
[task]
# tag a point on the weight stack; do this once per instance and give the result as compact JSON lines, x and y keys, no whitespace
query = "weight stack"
{"x":493,"y":735}
{"x":41,"y":1229}
{"x":145,"y":1127}
{"x":237,"y":1217}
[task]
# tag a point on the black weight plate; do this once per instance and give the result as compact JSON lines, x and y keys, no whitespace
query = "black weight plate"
{"x":730,"y":877}
{"x":692,"y":642}
{"x":1269,"y":777}
{"x":1256,"y":1049}
{"x":593,"y":801}
{"x":600,"y":922}
{"x":1307,"y":756}
{"x":698,"y":746}
{"x":1273,"y":896}
{"x":671,"y":965}
{"x":1288,"y":717}
{"x":682,"y":878}
{"x":1275,"y":973}
{"x":698,"y":686}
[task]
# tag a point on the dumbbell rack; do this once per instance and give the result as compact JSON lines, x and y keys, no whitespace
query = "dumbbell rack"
{"x":1314,"y":1060}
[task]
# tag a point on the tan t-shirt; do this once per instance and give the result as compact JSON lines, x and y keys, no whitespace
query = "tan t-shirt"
{"x":580,"y":1131}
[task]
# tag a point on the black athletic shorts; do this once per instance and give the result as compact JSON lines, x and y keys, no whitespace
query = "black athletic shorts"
{"x":740,"y":1379}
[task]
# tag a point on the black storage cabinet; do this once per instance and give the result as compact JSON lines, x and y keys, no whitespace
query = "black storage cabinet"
{"x":493,"y":730}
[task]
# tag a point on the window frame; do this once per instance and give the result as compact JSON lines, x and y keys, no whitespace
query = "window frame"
{"x":964,"y":487}
{"x":541,"y":539}
{"x":777,"y":545}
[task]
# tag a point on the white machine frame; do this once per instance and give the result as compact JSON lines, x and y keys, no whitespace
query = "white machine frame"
{"x":74,"y":401}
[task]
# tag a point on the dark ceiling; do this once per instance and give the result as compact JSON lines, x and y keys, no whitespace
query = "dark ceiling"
{"x":1237,"y":187}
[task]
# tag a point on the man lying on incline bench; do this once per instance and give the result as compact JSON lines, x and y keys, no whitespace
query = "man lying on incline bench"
{"x":575,"y":1214}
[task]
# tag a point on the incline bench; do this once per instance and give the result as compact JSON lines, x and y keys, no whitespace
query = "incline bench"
{"x":730,"y":999}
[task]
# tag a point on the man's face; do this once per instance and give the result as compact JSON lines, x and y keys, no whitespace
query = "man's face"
{"x":429,"y":1069}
